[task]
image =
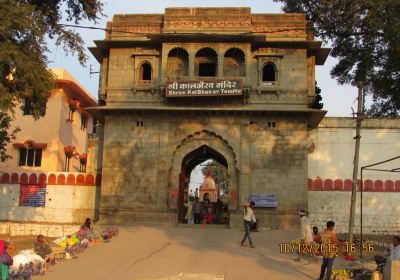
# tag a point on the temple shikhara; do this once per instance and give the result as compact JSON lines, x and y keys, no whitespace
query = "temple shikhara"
{"x":205,"y":83}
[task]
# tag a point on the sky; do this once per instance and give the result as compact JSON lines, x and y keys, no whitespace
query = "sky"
{"x":338,"y":100}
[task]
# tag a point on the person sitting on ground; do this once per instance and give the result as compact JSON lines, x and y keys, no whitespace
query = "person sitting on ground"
{"x":42,"y":248}
{"x":87,"y":232}
{"x":392,"y":253}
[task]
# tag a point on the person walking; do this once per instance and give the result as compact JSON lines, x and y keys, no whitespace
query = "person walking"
{"x":247,"y":220}
{"x":196,"y":208}
{"x":306,"y":236}
{"x":189,"y":214}
{"x":328,"y":238}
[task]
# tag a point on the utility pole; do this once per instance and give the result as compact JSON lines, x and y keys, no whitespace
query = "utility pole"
{"x":360,"y":115}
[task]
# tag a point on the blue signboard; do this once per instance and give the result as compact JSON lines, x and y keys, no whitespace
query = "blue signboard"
{"x":264,"y":201}
{"x":32,"y":195}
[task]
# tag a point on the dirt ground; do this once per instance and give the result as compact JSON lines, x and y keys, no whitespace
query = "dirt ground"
{"x":170,"y":253}
{"x":144,"y":252}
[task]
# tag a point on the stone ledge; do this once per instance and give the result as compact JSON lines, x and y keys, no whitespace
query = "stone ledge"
{"x":46,"y":229}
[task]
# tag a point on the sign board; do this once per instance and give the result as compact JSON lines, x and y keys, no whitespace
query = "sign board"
{"x":32,"y":195}
{"x":215,"y":87}
{"x":264,"y":201}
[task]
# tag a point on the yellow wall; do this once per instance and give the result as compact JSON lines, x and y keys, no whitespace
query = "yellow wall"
{"x":53,"y":129}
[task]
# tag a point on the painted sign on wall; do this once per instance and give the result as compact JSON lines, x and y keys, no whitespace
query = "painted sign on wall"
{"x":217,"y":87}
{"x":264,"y":201}
{"x":32,"y":195}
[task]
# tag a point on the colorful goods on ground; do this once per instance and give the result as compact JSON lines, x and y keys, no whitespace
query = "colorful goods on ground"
{"x":28,"y":264}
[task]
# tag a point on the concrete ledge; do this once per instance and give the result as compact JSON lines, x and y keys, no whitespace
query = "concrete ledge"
{"x":47,"y":229}
{"x":137,"y":216}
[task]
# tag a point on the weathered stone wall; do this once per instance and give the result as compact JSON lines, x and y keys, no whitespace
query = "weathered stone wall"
{"x":380,"y":211}
{"x":143,"y":156}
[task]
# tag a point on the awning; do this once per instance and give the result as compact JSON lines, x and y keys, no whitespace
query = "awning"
{"x":30,"y":143}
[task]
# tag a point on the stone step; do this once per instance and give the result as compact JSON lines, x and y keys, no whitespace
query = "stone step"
{"x":204,"y":226}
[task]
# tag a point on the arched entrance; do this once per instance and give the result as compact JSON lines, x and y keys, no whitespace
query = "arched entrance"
{"x":192,"y":151}
{"x":189,"y":162}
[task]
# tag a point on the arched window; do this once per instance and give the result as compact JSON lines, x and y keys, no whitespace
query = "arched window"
{"x":178,"y":63}
{"x":269,"y":74}
{"x":145,"y":72}
{"x":234,"y":63}
{"x":206,"y":62}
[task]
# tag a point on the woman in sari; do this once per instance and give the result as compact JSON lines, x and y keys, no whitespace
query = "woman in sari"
{"x":87,"y":232}
{"x":5,"y":249}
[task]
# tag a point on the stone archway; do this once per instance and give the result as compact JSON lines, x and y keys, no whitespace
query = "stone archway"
{"x":186,"y":152}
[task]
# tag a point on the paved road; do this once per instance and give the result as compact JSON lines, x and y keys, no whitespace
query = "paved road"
{"x":145,"y":252}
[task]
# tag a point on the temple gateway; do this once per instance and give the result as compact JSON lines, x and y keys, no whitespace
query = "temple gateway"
{"x":194,"y":84}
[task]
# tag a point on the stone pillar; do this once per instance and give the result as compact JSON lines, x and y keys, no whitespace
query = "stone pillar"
{"x":247,"y":68}
{"x":220,"y":67}
{"x":163,"y":68}
{"x":99,"y":167}
{"x":245,"y":172}
{"x":191,"y":64}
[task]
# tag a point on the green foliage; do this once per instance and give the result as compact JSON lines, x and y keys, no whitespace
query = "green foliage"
{"x":5,"y":136}
{"x":318,"y":98}
{"x":365,"y":38}
{"x":24,"y":27}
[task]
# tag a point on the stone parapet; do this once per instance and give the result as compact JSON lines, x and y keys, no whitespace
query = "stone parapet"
{"x":269,"y":220}
{"x":124,"y":216}
{"x":46,"y":229}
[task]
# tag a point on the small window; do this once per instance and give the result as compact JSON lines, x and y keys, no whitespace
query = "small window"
{"x":30,"y":157}
{"x":71,"y":113}
{"x":83,"y":122}
{"x":82,"y":165}
{"x":269,"y":73}
{"x":67,"y":162}
{"x":28,"y":107}
{"x":145,"y":72}
{"x":207,"y":69}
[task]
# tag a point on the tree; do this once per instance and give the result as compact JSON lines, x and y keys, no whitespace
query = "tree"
{"x":25,"y":25}
{"x":218,"y":172}
{"x":5,"y":136}
{"x":318,"y":98}
{"x":365,"y":38}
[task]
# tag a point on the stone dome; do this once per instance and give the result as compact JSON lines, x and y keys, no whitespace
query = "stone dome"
{"x":208,"y":182}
